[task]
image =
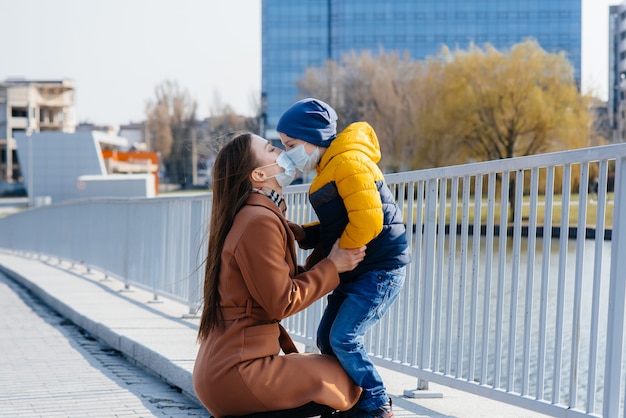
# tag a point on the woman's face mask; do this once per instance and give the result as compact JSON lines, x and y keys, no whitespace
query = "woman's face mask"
{"x":302,"y":160}
{"x":284,"y":178}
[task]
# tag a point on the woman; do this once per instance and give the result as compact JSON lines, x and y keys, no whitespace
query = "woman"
{"x":252,"y":281}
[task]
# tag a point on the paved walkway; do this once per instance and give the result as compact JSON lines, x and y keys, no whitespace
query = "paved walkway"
{"x":50,"y":368}
{"x":89,"y":357}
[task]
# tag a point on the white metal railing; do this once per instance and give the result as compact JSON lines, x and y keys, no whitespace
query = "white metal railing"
{"x":475,"y":315}
{"x":529,"y":311}
{"x":155,"y":244}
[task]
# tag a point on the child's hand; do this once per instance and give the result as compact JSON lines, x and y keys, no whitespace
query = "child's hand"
{"x":297,"y":230}
{"x":346,"y":259}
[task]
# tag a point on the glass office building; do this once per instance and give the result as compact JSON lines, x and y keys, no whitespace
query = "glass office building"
{"x":301,"y":34}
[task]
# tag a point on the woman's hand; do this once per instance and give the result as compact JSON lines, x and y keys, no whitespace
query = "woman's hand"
{"x":346,"y":259}
{"x":298,"y":232}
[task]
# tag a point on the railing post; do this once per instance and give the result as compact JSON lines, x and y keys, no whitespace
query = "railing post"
{"x":617,"y":297}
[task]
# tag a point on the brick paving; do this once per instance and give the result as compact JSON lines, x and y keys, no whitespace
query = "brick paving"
{"x":51,"y":368}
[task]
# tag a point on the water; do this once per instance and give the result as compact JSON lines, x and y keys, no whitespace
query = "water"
{"x":523,"y":332}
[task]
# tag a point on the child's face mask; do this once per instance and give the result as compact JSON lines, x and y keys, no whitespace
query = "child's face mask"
{"x":302,"y":160}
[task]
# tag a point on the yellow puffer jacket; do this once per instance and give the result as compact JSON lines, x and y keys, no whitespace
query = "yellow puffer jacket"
{"x":353,"y":203}
{"x":350,"y":163}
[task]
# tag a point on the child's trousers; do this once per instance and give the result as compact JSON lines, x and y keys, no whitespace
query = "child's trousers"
{"x":354,"y":307}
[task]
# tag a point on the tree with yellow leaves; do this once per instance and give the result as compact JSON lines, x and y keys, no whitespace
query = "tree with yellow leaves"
{"x":521,"y":102}
{"x":504,"y":105}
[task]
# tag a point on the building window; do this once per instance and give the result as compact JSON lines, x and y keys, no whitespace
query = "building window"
{"x":19,"y":112}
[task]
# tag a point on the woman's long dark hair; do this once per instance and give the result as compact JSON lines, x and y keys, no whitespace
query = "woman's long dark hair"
{"x":231,"y":186}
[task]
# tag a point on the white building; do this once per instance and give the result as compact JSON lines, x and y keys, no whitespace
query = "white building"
{"x":28,"y":106}
{"x":61,"y":166}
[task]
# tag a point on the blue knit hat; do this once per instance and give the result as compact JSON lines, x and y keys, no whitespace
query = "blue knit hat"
{"x":310,"y":120}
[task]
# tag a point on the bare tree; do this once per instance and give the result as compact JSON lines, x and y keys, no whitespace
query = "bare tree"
{"x":217,"y":127}
{"x":170,"y":119}
{"x":223,"y":121}
{"x":363,"y":87}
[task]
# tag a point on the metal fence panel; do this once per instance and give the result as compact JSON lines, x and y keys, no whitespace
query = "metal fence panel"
{"x":510,"y":293}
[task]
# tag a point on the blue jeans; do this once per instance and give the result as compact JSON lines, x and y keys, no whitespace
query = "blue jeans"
{"x":353,"y":309}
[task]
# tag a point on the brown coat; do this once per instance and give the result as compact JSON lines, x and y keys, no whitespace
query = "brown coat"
{"x":238,"y":369}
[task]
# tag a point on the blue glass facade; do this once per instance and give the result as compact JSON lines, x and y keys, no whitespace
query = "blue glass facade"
{"x":301,"y":34}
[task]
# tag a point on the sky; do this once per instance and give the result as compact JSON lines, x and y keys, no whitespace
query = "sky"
{"x":118,"y":51}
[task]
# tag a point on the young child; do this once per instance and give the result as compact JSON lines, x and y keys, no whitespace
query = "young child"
{"x":353,"y":203}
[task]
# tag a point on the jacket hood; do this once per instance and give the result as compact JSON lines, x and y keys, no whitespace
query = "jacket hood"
{"x":359,"y":137}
